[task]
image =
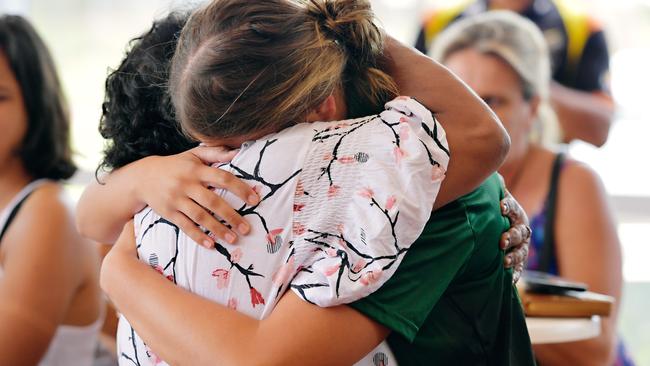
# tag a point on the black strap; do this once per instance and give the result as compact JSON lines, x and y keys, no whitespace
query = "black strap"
{"x":547,"y":255}
{"x":12,"y":215}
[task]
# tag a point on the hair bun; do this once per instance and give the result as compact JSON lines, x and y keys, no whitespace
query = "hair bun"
{"x":351,"y":23}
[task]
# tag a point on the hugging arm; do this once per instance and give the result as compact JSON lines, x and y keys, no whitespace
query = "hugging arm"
{"x":175,"y":186}
{"x":477,"y":140}
{"x":186,"y":329}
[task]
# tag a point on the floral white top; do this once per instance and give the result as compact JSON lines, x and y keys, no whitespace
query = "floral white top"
{"x":341,"y":204}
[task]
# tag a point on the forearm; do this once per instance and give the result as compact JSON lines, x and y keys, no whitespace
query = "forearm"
{"x":477,"y":140}
{"x":600,"y":351}
{"x":205,"y":333}
{"x":104,"y":208}
{"x":582,"y":115}
{"x":186,"y":329}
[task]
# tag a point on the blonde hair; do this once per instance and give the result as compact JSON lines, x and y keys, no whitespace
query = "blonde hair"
{"x":519,"y":43}
{"x":245,"y":67}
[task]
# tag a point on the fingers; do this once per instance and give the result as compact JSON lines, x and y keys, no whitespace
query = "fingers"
{"x":190,"y":229}
{"x":516,"y":236}
{"x":200,"y":216}
{"x":219,"y":207}
{"x":516,"y":257}
{"x":516,"y":274}
{"x":222,"y":179}
{"x":211,"y":155}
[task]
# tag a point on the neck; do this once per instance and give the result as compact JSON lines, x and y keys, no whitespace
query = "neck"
{"x":518,"y":6}
{"x":513,"y":170}
{"x":13,"y":178}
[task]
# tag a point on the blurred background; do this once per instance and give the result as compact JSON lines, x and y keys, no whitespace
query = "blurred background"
{"x":89,"y":37}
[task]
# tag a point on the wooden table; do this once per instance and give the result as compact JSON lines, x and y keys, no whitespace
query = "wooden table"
{"x":561,"y":330}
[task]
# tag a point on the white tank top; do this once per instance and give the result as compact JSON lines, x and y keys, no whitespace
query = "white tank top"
{"x":71,"y":345}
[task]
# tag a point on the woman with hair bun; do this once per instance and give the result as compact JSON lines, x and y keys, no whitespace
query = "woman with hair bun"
{"x":340,"y":202}
{"x":50,"y":300}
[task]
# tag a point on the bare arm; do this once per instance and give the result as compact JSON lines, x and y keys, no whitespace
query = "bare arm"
{"x":582,"y":115}
{"x":588,"y":251}
{"x":477,"y":140}
{"x":197,"y":331}
{"x":42,"y":274}
{"x":175,"y":186}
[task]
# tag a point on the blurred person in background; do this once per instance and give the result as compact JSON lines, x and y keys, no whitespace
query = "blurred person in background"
{"x":503,"y":58}
{"x":579,"y":59}
{"x":50,"y":301}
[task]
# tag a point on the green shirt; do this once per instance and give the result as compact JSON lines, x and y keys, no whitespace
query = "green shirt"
{"x":451,"y":301}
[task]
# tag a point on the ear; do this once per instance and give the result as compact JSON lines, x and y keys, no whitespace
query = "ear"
{"x":326,"y":111}
{"x":533,"y":106}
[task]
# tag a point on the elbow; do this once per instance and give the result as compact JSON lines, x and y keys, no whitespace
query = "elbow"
{"x":80,"y":222}
{"x":498,"y":144}
{"x":600,"y":136}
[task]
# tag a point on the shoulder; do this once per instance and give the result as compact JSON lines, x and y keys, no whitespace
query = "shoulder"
{"x":578,"y":179}
{"x":45,"y":216}
{"x":582,"y":199}
{"x":48,"y":204}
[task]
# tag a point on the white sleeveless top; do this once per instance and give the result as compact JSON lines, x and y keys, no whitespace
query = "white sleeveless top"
{"x":342,"y":202}
{"x":71,"y":345}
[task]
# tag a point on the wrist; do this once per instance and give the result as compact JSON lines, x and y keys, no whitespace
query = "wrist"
{"x":139,"y":181}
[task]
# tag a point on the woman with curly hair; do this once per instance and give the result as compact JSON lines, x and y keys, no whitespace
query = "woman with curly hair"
{"x":50,"y":307}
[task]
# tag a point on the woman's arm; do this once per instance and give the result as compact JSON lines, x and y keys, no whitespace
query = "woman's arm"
{"x":477,"y":140}
{"x":585,"y":116}
{"x":42,"y":272}
{"x":175,"y":187}
{"x":588,"y":251}
{"x":207,"y":333}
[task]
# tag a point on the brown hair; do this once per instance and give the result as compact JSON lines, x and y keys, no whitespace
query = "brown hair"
{"x":245,"y":68}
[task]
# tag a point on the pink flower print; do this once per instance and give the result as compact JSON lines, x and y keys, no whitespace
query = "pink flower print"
{"x":236,"y":255}
{"x":342,"y":124}
{"x":342,"y":243}
{"x":437,"y":174}
{"x":272,"y":236}
{"x":331,"y":270}
{"x":152,"y":356}
{"x":399,"y":154}
{"x":285,"y":272}
{"x":328,"y":156}
{"x":340,"y":227}
{"x":298,"y":228}
{"x":358,"y":266}
{"x":390,"y":202}
{"x":297,"y":207}
{"x":333,"y":190}
{"x":222,"y":276}
{"x":346,"y":159}
{"x":371,"y":277}
{"x":300,"y":189}
{"x":367,"y":193}
{"x":331,"y":252}
{"x":274,"y":240}
{"x":233,"y":303}
{"x":256,"y":297}
{"x":404,"y":131}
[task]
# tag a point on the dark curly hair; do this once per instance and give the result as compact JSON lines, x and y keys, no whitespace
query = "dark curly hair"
{"x":45,"y":150}
{"x":137,"y":114}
